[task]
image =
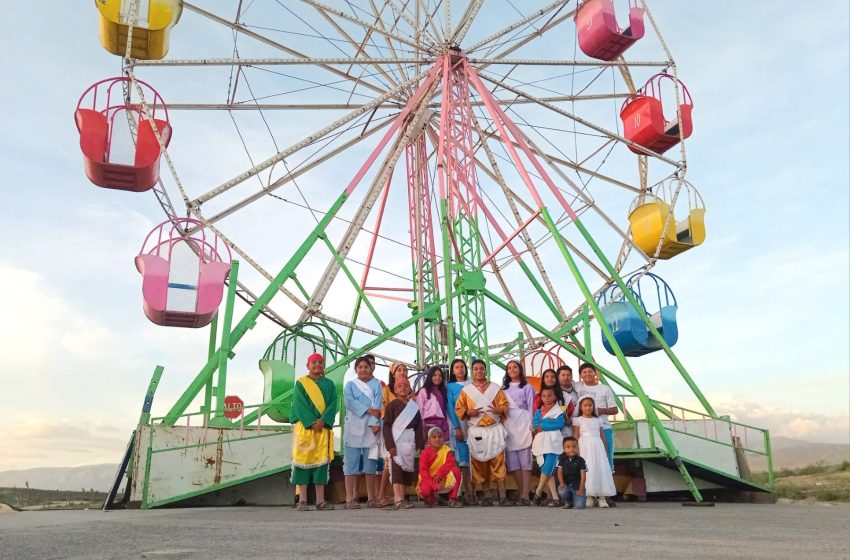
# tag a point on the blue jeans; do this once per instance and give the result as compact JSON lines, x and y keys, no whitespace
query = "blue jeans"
{"x":569,"y":496}
{"x":609,"y":442}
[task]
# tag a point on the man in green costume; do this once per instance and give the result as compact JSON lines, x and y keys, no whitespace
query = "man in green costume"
{"x":314,"y":406}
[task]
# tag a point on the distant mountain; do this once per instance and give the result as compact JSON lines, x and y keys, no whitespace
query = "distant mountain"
{"x":787,"y":453}
{"x":97,"y":477}
{"x":792,"y":453}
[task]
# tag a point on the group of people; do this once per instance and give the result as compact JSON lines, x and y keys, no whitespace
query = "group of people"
{"x":469,"y":432}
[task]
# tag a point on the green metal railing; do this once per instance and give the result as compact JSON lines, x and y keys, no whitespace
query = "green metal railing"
{"x":742,"y":439}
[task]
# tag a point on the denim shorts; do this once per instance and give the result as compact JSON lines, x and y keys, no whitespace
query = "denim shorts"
{"x":355,"y":460}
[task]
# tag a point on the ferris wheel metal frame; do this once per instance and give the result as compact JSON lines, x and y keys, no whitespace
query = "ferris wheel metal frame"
{"x":430,"y":41}
{"x":426,"y":77}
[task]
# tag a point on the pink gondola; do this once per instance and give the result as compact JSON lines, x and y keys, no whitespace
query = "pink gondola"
{"x":599,"y":36}
{"x":183,"y":274}
{"x":643,"y":117}
{"x":115,"y":156}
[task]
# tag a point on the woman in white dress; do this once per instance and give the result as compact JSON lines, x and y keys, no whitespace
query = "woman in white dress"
{"x":587,"y":428}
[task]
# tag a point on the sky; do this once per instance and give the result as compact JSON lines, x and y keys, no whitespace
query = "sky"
{"x":763,"y":303}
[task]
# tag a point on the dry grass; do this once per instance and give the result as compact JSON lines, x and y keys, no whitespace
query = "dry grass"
{"x":817,"y":482}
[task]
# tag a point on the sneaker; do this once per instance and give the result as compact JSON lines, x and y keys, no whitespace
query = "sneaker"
{"x":603,"y":503}
{"x":568,"y":505}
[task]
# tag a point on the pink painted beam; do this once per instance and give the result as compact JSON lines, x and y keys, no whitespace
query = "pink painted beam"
{"x":508,"y":240}
{"x":399,"y":120}
{"x":378,"y":220}
{"x":496,"y":111}
{"x":394,"y":298}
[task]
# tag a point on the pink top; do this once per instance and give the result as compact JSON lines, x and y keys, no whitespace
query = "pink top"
{"x":433,"y":409}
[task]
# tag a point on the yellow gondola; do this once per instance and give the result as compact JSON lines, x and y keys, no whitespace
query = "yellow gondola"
{"x":649,"y":213}
{"x":150,"y":32}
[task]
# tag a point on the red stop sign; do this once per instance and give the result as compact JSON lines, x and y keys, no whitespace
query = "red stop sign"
{"x":233,"y":406}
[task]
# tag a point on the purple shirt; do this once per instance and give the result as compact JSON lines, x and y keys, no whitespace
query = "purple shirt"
{"x":522,"y":396}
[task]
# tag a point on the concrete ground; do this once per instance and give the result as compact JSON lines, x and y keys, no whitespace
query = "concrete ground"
{"x":657,"y":531}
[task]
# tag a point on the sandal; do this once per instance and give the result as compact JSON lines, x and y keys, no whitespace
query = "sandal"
{"x":538,"y":499}
{"x":403,"y":505}
{"x":372,"y":504}
{"x":486,"y":502}
{"x":302,"y":506}
{"x":352,"y":505}
{"x":385,"y":503}
{"x":327,"y":506}
{"x":553,"y":503}
{"x":505,"y":502}
{"x":523,"y":502}
{"x":470,"y":500}
{"x":455,"y":504}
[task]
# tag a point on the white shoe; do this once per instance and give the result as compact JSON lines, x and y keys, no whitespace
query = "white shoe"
{"x":603,"y":503}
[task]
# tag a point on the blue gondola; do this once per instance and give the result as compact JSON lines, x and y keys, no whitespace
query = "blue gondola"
{"x":630,"y":332}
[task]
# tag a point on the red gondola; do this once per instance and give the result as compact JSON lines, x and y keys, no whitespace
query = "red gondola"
{"x":643,"y":117}
{"x":599,"y":36}
{"x":120,"y":149}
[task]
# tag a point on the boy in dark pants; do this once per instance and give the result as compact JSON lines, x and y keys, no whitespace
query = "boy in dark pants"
{"x":572,"y":472}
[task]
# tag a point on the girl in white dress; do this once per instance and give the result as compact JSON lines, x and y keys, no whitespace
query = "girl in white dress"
{"x":587,"y":428}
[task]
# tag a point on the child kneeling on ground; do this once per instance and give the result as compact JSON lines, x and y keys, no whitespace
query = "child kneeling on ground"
{"x":572,"y":474}
{"x":438,"y":471}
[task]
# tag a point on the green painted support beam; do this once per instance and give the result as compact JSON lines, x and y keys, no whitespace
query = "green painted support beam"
{"x":543,"y":295}
{"x":360,"y":293}
{"x":637,"y":390}
{"x":226,"y":348}
{"x":642,"y":314}
{"x":448,"y":280}
{"x":208,"y":387}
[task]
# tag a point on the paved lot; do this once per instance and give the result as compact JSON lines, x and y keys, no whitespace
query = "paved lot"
{"x":655,"y":531}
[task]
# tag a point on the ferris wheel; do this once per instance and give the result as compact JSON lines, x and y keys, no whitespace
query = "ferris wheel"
{"x":500,"y":111}
{"x":477,"y":149}
{"x":417,"y":179}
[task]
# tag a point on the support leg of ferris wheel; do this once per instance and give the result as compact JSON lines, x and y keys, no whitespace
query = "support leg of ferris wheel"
{"x":422,"y":248}
{"x":498,"y":115}
{"x":458,"y":174}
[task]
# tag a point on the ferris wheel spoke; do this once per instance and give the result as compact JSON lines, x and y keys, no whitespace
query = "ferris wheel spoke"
{"x":419,"y":29}
{"x":496,"y":174}
{"x":245,"y":106}
{"x":307,"y":141}
{"x":296,"y":172}
{"x":401,"y":72}
{"x":247,"y":32}
{"x":578,"y":119}
{"x":366,"y":25}
{"x":516,"y":25}
{"x":583,"y":195}
{"x":302,"y":61}
{"x":472,"y":10}
{"x":358,"y":48}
